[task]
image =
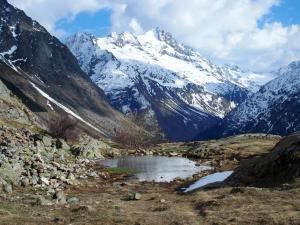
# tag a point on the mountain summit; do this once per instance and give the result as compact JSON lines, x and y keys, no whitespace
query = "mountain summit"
{"x":169,"y":86}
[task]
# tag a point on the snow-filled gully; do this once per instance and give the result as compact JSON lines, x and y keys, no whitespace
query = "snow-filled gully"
{"x":67,"y":110}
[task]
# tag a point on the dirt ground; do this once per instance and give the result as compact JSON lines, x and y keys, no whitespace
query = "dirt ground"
{"x":107,"y":201}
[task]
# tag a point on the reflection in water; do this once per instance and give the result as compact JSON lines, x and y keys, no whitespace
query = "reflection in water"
{"x":157,"y":168}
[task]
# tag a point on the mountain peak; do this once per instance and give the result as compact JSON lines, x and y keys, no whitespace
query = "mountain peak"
{"x":124,"y":38}
{"x":292,"y":67}
{"x":81,"y":37}
{"x":85,"y":35}
{"x":233,"y":67}
{"x":163,"y":35}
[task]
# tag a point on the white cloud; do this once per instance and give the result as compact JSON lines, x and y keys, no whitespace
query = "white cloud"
{"x":135,"y":26}
{"x":225,"y":30}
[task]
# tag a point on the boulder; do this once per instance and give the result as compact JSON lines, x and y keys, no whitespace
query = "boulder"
{"x":91,"y":148}
{"x":47,"y":141}
{"x":11,"y":173}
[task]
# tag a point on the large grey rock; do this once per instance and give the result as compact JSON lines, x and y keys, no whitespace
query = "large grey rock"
{"x":11,"y":173}
{"x":47,"y":141}
{"x":91,"y":148}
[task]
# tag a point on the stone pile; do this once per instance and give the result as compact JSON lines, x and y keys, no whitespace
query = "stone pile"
{"x":29,"y":159}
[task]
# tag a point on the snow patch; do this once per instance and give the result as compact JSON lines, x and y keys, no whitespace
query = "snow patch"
{"x":49,"y":105}
{"x":212,"y":178}
{"x":10,"y":51}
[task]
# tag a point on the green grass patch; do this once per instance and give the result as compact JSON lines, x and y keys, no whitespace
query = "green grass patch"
{"x":14,"y":208}
{"x":119,"y":170}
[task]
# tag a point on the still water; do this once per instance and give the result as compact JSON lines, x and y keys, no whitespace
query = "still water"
{"x":156,"y":168}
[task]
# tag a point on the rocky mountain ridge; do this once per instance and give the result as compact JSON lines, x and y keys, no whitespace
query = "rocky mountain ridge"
{"x":273,"y":109}
{"x":162,"y":80}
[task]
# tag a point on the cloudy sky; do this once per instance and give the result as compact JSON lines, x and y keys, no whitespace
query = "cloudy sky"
{"x":258,"y":35}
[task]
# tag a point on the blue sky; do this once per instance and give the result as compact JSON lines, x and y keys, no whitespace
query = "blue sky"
{"x":288,"y":12}
{"x":97,"y":23}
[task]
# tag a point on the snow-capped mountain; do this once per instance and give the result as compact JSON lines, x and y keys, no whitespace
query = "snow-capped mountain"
{"x":157,"y":78}
{"x":273,"y":109}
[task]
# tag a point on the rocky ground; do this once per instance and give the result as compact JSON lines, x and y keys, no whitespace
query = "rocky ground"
{"x":59,"y":185}
{"x":36,"y":160}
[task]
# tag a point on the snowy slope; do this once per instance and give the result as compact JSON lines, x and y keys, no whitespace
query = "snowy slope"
{"x":273,"y":109}
{"x":154,"y":73}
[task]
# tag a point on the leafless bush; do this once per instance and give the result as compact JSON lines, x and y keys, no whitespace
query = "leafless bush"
{"x":64,"y":127}
{"x":133,"y":141}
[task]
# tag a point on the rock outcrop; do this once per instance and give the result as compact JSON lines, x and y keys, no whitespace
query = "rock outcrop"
{"x":12,"y":110}
{"x":277,"y":167}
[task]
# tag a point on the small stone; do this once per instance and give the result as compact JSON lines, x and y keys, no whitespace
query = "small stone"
{"x":173,"y":154}
{"x":60,"y":197}
{"x":71,"y":176}
{"x":162,"y":200}
{"x":73,"y":200}
{"x":131,"y":152}
{"x":41,"y":200}
{"x":93,"y":174}
{"x":7,"y":188}
{"x":45,"y":180}
{"x":34,"y":179}
{"x":51,"y":191}
{"x":25,"y":182}
{"x":104,"y":175}
{"x":136,"y":196}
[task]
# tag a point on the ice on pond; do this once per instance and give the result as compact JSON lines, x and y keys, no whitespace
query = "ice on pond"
{"x":212,"y":178}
